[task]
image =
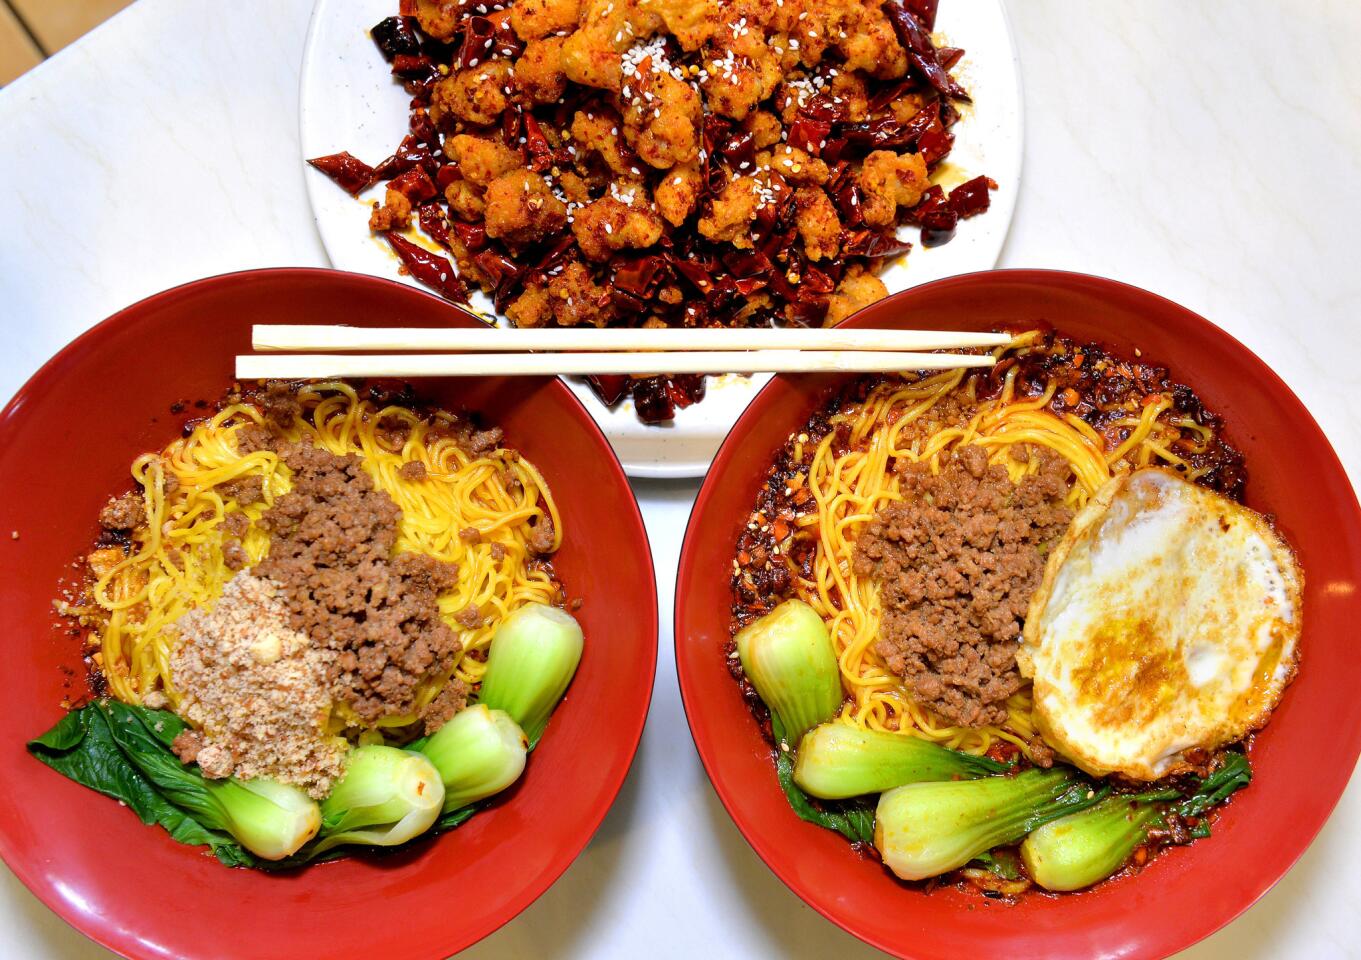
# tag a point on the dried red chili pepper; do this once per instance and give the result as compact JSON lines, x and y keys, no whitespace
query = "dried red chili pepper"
{"x":872,"y":244}
{"x":415,"y":184}
{"x":396,"y":37}
{"x":423,"y":128}
{"x":651,"y":401}
{"x":972,"y":198}
{"x":809,"y":135}
{"x":412,"y":152}
{"x":934,"y":216}
{"x":479,"y":36}
{"x":635,"y":276}
{"x":609,"y":387}
{"x":433,"y":223}
{"x":415,"y":67}
{"x":473,"y":236}
{"x":349,"y":171}
{"x":540,"y":151}
{"x":431,"y":269}
{"x":916,"y":40}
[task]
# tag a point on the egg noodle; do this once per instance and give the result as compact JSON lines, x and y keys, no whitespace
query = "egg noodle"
{"x":177,"y":562}
{"x":895,"y":421}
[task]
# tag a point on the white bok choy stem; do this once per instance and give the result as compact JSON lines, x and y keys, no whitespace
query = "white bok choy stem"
{"x":533,"y":657}
{"x":836,"y":761}
{"x":386,"y":797}
{"x":271,"y":820}
{"x":788,"y":657}
{"x":478,"y":752}
{"x":926,"y":829}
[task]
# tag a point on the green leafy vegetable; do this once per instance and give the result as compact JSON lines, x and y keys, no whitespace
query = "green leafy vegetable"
{"x":82,"y":746}
{"x":1233,"y":774}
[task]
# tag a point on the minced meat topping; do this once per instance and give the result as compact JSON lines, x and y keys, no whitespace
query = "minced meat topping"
{"x":957,"y":560}
{"x":332,"y":537}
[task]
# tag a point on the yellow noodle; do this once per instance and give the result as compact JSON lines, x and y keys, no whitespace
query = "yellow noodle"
{"x":177,"y":559}
{"x":895,"y":421}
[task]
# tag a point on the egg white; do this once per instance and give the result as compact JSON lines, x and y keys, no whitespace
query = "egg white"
{"x":1168,"y":619}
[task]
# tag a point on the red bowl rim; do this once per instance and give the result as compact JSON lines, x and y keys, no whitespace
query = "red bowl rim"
{"x":124,"y":943}
{"x":691,"y":697}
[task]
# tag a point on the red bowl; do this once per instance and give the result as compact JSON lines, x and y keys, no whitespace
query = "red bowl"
{"x":66,"y":442}
{"x":1313,"y":738}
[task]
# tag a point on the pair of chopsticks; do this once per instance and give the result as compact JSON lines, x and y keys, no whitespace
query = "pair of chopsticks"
{"x":309,"y":352}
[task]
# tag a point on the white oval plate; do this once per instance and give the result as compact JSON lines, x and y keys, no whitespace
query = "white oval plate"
{"x":349,"y":101}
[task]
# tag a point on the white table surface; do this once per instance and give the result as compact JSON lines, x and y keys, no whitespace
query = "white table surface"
{"x":1207,"y":151}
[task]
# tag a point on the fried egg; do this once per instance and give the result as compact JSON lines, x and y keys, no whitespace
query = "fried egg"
{"x":1168,"y":619}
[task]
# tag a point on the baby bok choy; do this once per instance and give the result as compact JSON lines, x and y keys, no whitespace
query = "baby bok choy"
{"x":479,"y":752}
{"x":788,"y":657}
{"x":533,"y":657}
{"x":837,"y":760}
{"x":386,"y":797}
{"x":925,"y":829}
{"x":1084,"y":848}
{"x":271,"y":820}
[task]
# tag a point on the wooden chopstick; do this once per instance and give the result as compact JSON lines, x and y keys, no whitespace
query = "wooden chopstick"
{"x":301,"y":337}
{"x":319,"y":366}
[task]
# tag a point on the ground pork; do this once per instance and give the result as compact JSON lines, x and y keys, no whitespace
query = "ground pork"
{"x":957,"y":560}
{"x":123,"y":513}
{"x":332,"y":537}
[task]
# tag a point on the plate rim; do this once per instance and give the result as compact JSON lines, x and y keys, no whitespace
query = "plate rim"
{"x":669,"y":468}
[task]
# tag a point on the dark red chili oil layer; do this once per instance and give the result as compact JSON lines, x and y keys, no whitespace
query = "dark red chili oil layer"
{"x":772,"y":549}
{"x":714,"y":280}
{"x":189,"y":415}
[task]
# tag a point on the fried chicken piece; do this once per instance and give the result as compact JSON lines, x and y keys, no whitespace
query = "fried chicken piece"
{"x":536,"y":19}
{"x":394,"y":214}
{"x":865,"y":37}
{"x":794,"y":165}
{"x":818,"y":224}
{"x":531,"y":308}
{"x":591,"y":55}
{"x":731,"y":213}
{"x":908,"y":106}
{"x":439,"y":18}
{"x":677,"y":193}
{"x":887,"y":181}
{"x":574,"y":187}
{"x":765,"y":128}
{"x":481,"y":159}
{"x":576,"y":298}
{"x":538,"y":72}
{"x":741,"y":72}
{"x":661,"y":118}
{"x":522,"y":209}
{"x":850,"y":88}
{"x":857,"y":289}
{"x":477,"y":95}
{"x":691,"y":22}
{"x":596,"y":132}
{"x":465,"y":200}
{"x":623,"y":219}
